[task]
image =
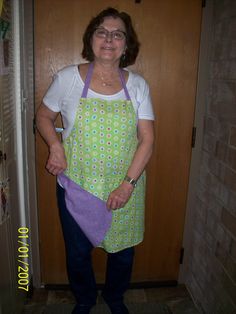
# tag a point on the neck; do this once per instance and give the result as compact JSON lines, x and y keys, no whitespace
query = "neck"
{"x":106,"y":68}
{"x":107,"y":74}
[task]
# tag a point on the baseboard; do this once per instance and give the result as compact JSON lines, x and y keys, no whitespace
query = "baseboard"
{"x":133,"y":285}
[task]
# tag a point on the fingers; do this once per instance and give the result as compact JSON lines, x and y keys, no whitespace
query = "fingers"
{"x":56,"y":163}
{"x":115,"y":202}
{"x":54,"y":170}
{"x":118,"y":198}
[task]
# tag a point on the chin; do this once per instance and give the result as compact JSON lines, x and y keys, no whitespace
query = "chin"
{"x":108,"y":59}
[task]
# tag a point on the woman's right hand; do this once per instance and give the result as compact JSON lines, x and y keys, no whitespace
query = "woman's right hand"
{"x":56,"y":163}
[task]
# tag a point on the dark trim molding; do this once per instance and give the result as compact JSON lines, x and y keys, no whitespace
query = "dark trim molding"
{"x":133,"y":285}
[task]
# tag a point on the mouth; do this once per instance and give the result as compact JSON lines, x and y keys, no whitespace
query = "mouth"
{"x":108,"y":48}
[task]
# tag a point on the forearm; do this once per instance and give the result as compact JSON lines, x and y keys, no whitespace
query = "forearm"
{"x":45,"y":118}
{"x":46,"y":129}
{"x":120,"y":196}
{"x":45,"y":124}
{"x":140,"y":159}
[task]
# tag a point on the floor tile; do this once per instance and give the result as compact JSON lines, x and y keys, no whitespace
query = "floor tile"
{"x":60,"y":296}
{"x":176,"y":298}
{"x":39,"y":297}
{"x":135,"y":296}
{"x":166,"y":293}
{"x":34,"y":309}
{"x":184,"y":306}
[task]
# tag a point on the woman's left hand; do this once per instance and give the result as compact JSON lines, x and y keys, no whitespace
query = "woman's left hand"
{"x":120,"y":196}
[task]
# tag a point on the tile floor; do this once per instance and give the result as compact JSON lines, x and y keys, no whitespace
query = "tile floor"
{"x":177,"y":298}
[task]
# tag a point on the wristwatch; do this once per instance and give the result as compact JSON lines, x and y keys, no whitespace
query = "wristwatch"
{"x":131,"y":181}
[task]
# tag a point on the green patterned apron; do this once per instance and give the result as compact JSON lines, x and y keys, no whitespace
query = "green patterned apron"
{"x":99,"y":151}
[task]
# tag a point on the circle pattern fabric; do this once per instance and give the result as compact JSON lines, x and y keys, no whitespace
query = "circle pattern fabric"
{"x":99,"y":151}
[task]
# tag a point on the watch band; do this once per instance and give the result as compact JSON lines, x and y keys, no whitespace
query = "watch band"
{"x":131,"y":181}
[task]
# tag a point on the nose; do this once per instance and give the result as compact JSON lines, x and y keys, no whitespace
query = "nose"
{"x":109,"y":37}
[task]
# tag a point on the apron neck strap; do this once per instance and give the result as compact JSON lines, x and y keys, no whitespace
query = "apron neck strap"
{"x":122,"y":79}
{"x":87,"y":80}
{"x":89,"y":76}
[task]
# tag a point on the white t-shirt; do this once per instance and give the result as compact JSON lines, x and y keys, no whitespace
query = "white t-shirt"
{"x":66,"y":89}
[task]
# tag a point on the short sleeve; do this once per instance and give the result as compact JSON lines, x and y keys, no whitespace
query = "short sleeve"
{"x":58,"y":90}
{"x":145,"y":108}
{"x":140,"y":96}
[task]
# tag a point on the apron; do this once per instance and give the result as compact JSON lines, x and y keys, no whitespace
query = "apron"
{"x":99,"y":151}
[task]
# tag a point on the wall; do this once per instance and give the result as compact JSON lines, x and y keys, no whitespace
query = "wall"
{"x":17,"y":174}
{"x":11,"y":298}
{"x":210,"y":261}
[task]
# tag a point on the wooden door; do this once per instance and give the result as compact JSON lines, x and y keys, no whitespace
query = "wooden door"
{"x":169,"y":33}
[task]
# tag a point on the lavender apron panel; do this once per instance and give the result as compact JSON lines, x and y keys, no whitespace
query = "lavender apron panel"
{"x":88,"y":211}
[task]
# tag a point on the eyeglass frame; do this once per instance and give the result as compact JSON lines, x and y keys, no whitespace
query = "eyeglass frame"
{"x":110,"y":33}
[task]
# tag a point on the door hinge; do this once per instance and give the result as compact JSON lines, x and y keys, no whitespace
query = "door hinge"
{"x":34,"y":126}
{"x":181,"y":258}
{"x":194,"y":131}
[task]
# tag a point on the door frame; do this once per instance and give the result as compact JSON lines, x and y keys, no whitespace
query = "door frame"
{"x":26,"y":136}
{"x":194,"y":162}
{"x":201,"y":93}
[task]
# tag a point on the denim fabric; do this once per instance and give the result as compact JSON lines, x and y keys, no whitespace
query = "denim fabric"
{"x":79,"y":262}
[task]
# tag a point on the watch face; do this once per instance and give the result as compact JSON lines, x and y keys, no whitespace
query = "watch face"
{"x":131,"y":181}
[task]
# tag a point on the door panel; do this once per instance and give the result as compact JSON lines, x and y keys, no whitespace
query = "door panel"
{"x":169,"y":33}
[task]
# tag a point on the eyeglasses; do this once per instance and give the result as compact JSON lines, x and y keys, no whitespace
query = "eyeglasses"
{"x":103,"y":33}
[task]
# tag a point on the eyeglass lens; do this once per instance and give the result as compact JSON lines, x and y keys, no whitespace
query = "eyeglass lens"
{"x":103,"y":33}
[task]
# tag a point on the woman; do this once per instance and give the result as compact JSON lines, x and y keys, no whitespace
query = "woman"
{"x":107,"y":142}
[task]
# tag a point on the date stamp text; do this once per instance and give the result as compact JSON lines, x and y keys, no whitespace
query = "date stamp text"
{"x":23,"y":259}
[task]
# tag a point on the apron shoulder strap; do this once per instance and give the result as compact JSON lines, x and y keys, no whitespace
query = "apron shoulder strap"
{"x":122,"y":79}
{"x":89,"y":76}
{"x":87,"y":80}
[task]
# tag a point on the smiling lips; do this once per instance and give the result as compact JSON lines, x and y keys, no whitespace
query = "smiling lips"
{"x":107,"y":48}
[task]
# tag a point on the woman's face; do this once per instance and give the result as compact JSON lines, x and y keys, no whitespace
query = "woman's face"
{"x":109,"y":49}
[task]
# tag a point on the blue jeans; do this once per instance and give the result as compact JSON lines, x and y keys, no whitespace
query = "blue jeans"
{"x":79,"y":262}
